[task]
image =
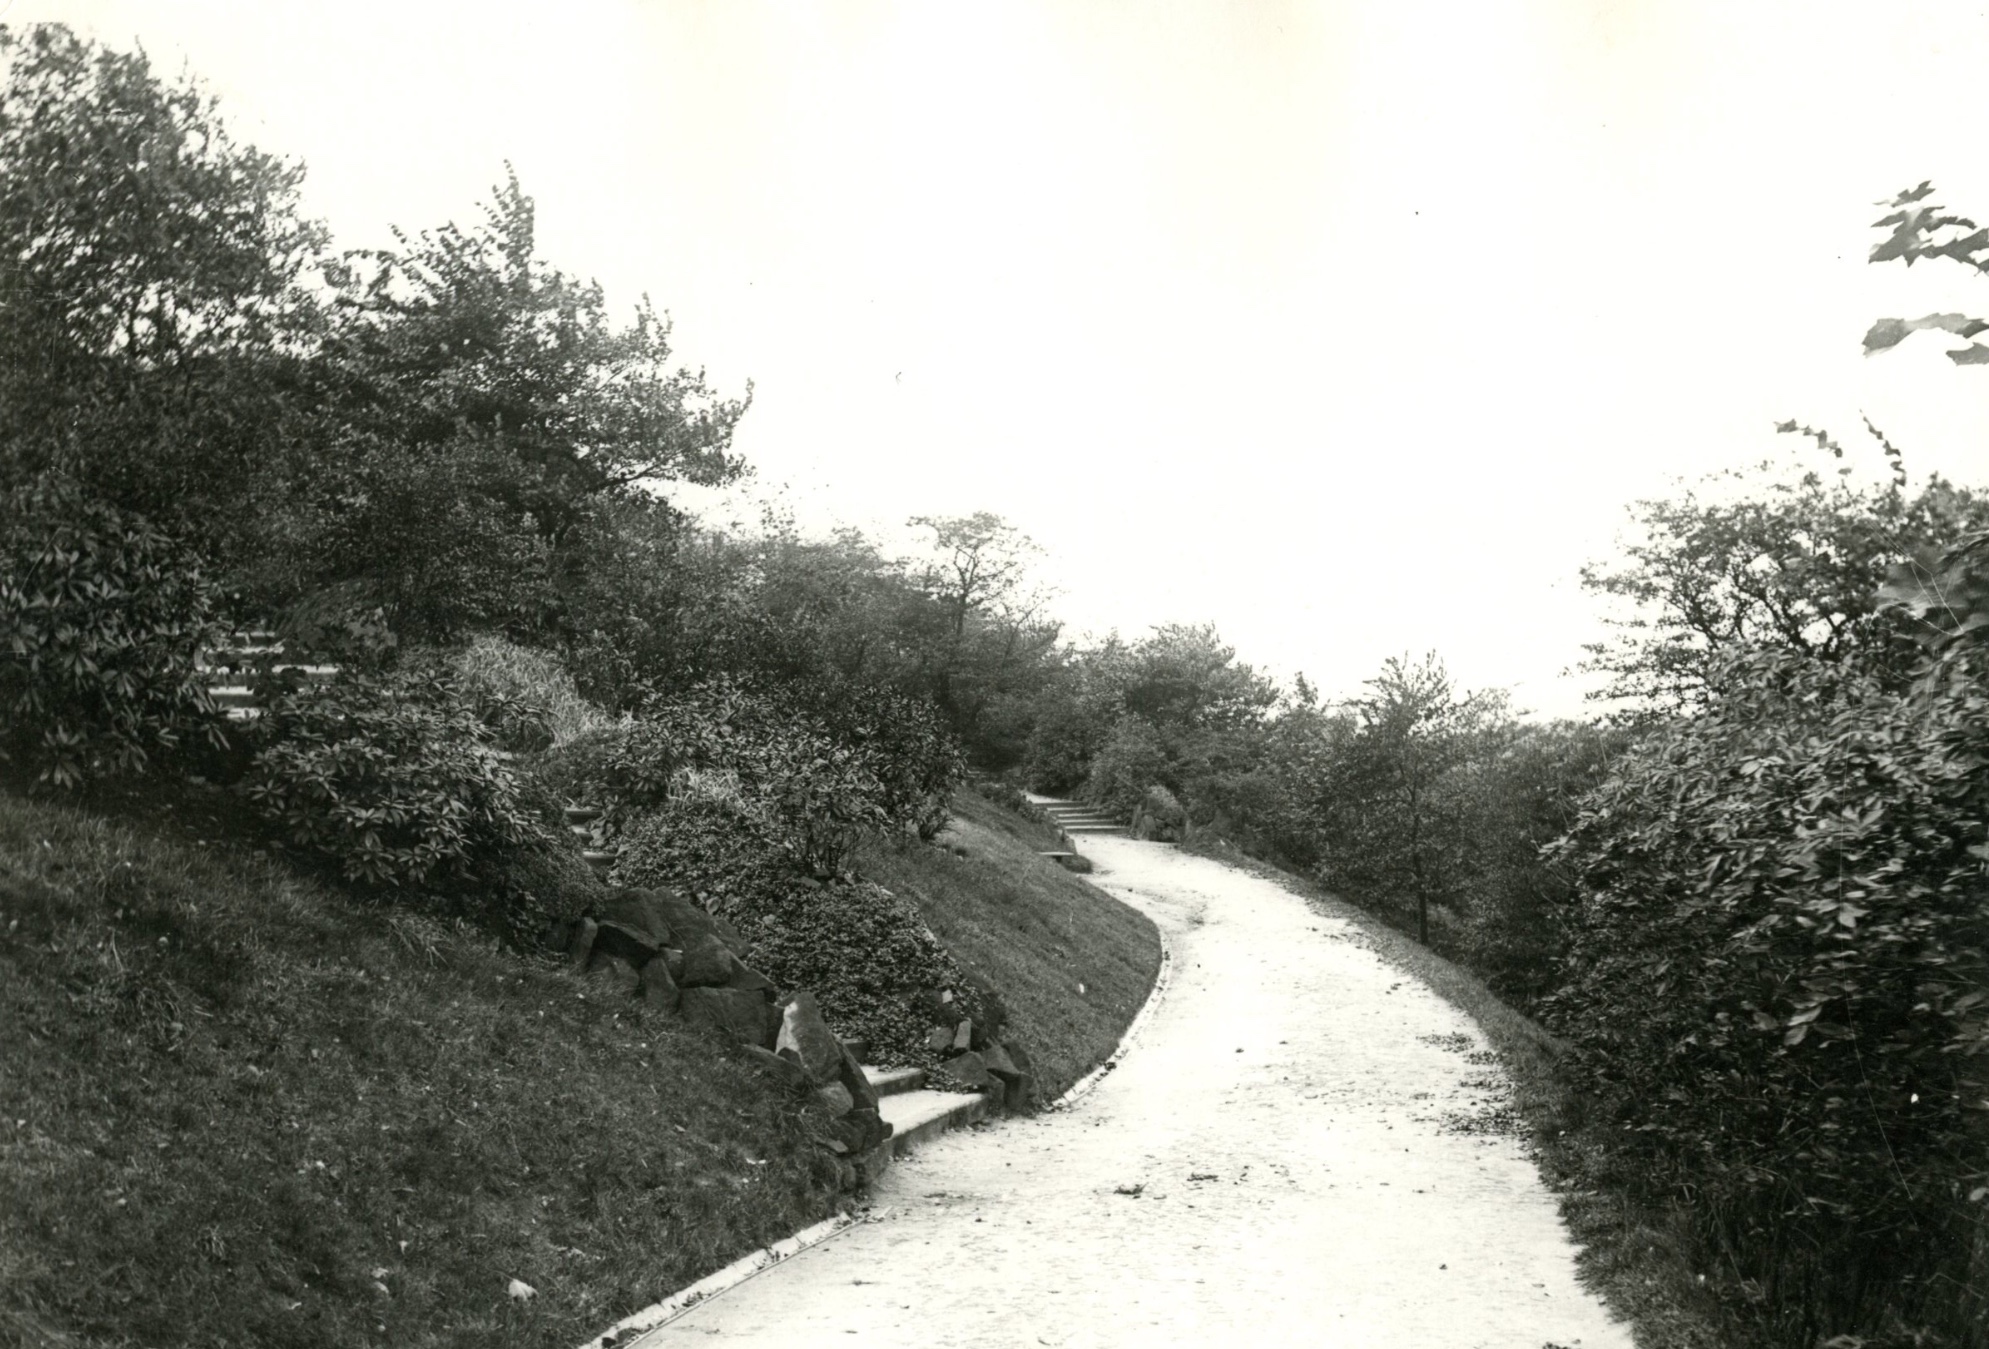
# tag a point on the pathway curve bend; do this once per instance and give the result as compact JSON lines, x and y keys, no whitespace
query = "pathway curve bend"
{"x":1284,"y":1158}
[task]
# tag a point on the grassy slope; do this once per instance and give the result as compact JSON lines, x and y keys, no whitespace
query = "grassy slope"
{"x":228,"y":1096}
{"x":1031,"y":929}
{"x":1633,"y":1258}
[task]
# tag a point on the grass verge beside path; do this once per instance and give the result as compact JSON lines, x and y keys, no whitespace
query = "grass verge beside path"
{"x":238,"y":1108}
{"x":1072,"y":964}
{"x":1633,"y":1258}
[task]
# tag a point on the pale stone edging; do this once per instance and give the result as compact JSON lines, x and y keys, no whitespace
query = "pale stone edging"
{"x":710,"y":1286}
{"x":1161,"y":979}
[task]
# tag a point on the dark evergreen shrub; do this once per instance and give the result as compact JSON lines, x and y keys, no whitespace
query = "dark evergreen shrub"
{"x":102,"y":620}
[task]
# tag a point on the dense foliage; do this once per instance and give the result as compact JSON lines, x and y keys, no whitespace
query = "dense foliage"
{"x":1779,"y":983}
{"x":389,"y":778}
{"x":102,"y":622}
{"x":862,"y":951}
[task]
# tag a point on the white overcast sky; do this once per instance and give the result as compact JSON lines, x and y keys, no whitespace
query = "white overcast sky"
{"x":1352,"y":327}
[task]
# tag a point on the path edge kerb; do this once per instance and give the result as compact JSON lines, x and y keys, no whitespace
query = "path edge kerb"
{"x":1162,"y":977}
{"x":759,"y":1262}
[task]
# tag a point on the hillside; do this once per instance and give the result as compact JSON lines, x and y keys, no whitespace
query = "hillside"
{"x":1072,"y":964}
{"x":241,"y":1107}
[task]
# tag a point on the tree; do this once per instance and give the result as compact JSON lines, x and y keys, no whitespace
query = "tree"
{"x":152,"y":311}
{"x":1392,"y":818}
{"x":986,"y":637}
{"x":1793,"y":564}
{"x":1922,"y":229}
{"x":466,"y":330}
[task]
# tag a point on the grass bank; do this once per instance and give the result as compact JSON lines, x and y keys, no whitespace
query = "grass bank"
{"x":242,"y":1109}
{"x":239,"y":1107}
{"x":1635,"y":1259}
{"x":1072,"y":964}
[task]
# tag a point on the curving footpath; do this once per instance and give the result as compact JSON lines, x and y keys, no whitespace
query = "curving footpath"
{"x":1294,"y":1153}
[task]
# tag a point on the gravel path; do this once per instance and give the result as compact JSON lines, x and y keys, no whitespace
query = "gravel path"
{"x":1296,"y":1153}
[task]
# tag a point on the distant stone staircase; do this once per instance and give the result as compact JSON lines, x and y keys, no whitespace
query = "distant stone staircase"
{"x":1073,"y":818}
{"x":228,"y":667}
{"x":585,"y":822}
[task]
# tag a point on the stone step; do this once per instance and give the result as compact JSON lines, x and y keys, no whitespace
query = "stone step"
{"x":919,"y":1116}
{"x":895,"y":1081}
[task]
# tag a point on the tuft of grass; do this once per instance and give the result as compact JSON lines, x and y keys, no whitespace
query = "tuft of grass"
{"x":239,"y":1108}
{"x":533,"y":677}
{"x":1072,"y":964}
{"x":1638,"y":1260}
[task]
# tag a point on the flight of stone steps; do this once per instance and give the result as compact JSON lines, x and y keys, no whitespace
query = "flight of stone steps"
{"x":585,"y":822}
{"x":1073,"y":818}
{"x":227,"y":669}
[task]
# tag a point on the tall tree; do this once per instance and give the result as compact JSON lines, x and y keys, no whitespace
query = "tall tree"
{"x":987,"y":637}
{"x":1392,"y":823}
{"x":152,"y":310}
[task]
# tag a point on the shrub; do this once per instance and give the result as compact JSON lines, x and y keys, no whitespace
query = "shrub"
{"x":102,"y":619}
{"x":868,"y":957}
{"x":389,"y":778}
{"x":815,"y":793}
{"x":866,"y":954}
{"x":717,"y":852}
{"x":1777,"y":984}
{"x":529,"y":693}
{"x":1133,"y":759}
{"x":906,"y":746}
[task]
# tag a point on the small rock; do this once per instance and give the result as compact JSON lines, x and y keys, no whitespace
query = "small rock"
{"x":521,"y":1291}
{"x":659,"y":989}
{"x":836,"y":1096}
{"x":963,"y":1035}
{"x":806,"y":1039}
{"x":939,"y":1037}
{"x":858,"y":1046}
{"x":582,"y":948}
{"x":857,"y":1082}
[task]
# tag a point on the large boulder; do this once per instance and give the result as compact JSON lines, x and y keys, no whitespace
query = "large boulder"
{"x":659,"y":989}
{"x":787,"y":1073}
{"x":618,"y":939}
{"x":745,"y":976}
{"x":963,"y":1072}
{"x":805,"y":1038}
{"x":1009,"y":1066}
{"x":869,"y":1128}
{"x":856,"y":1082}
{"x":682,"y":920}
{"x":740,"y":1015}
{"x":639,"y":911}
{"x":707,"y":963}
